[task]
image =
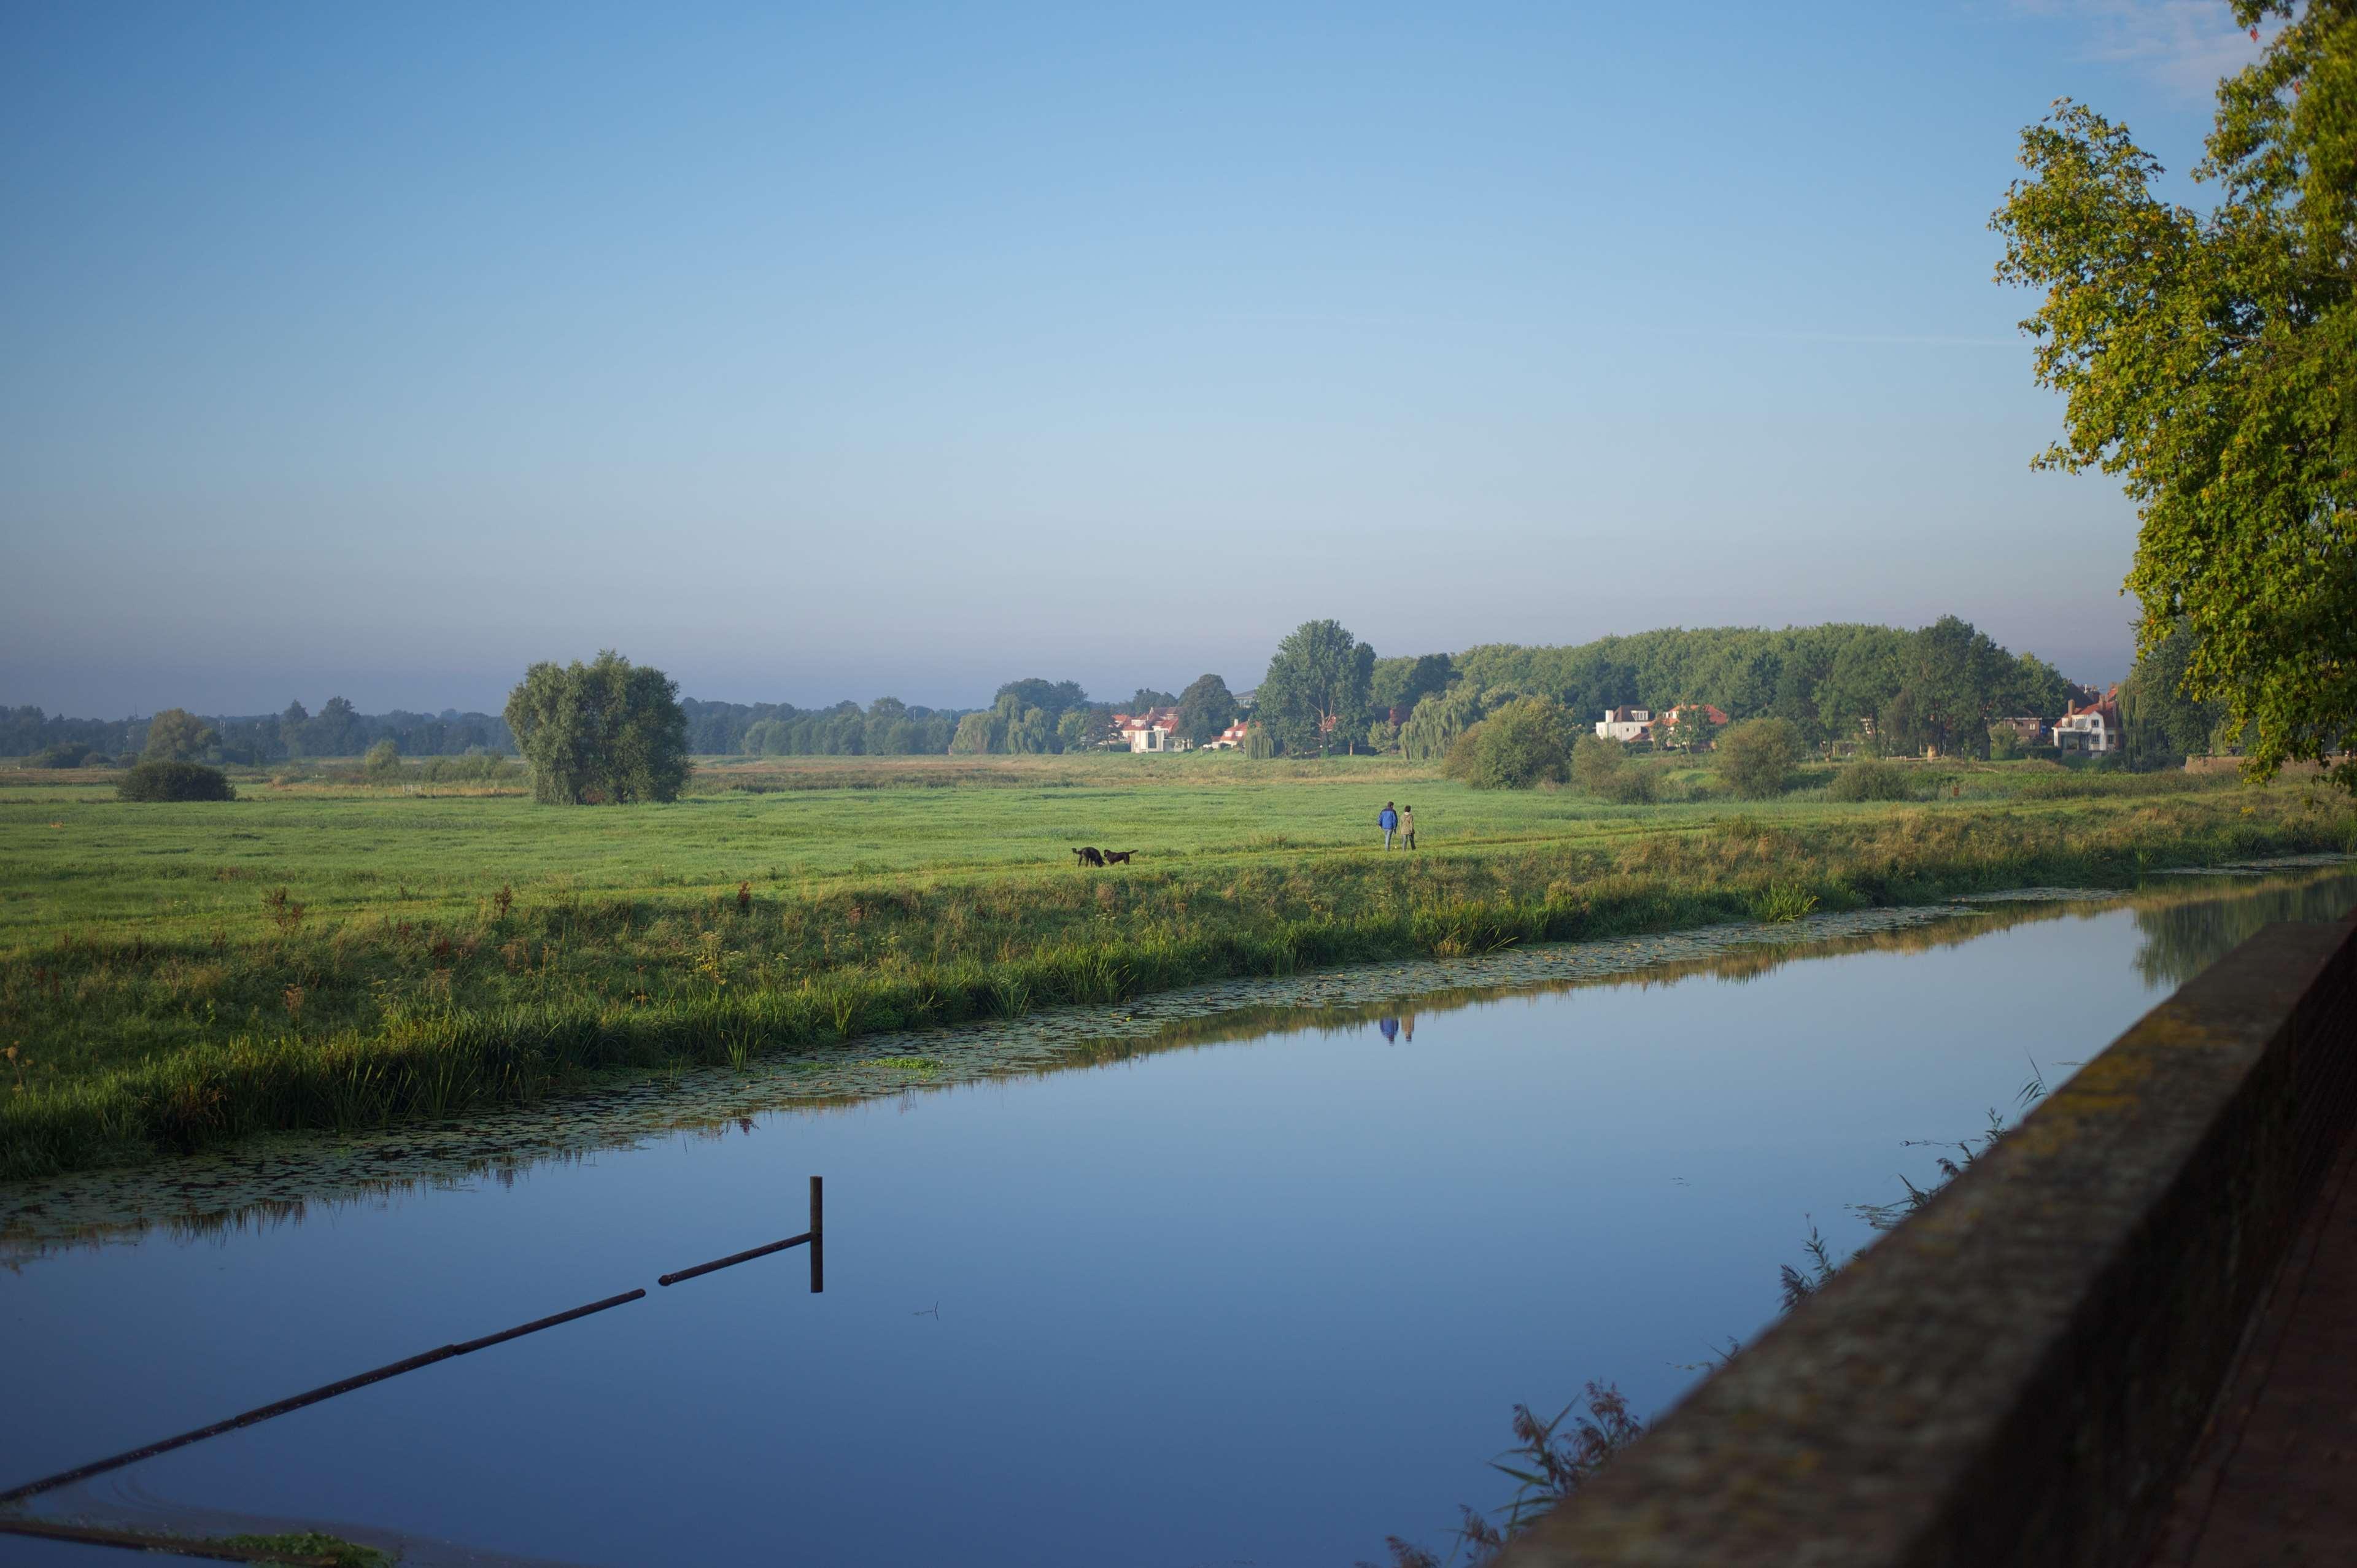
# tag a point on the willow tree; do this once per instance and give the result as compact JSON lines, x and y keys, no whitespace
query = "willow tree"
{"x":603,"y":733}
{"x":2209,"y":358}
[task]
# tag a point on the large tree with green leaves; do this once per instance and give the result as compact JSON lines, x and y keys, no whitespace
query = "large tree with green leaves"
{"x":177,"y":735}
{"x":606,"y":732}
{"x":1205,"y":708}
{"x":1315,"y":694}
{"x":2209,"y":358}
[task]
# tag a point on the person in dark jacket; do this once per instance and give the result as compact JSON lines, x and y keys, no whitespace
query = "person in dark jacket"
{"x":1389,"y":822}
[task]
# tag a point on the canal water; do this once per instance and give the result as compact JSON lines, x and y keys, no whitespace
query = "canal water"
{"x":1255,"y":1301}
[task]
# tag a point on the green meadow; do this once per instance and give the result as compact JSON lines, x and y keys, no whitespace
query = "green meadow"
{"x":324,"y":954}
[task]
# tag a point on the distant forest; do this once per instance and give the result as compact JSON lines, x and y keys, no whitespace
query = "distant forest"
{"x":1940,"y":684}
{"x":337,"y":729}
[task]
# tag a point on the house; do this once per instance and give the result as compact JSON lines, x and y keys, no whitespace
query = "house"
{"x":2093,"y":728}
{"x":1627,"y":723}
{"x":1685,"y":713}
{"x":2028,"y":728}
{"x":1156,"y":729}
{"x":1230,"y":738}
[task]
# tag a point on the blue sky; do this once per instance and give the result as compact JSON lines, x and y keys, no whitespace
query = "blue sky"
{"x":812,"y":354}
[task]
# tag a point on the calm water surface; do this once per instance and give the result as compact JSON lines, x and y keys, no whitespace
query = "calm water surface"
{"x":1258,"y":1301}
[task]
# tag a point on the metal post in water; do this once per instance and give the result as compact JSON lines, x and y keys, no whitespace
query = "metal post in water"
{"x":818,"y":1235}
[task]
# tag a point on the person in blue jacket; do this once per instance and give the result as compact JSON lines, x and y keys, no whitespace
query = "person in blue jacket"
{"x":1389,"y":822}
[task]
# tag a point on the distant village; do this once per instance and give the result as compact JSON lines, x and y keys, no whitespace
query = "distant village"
{"x":2092,"y":728}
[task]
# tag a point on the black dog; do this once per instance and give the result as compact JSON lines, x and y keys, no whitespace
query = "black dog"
{"x":1118,"y":856}
{"x":1090,"y":855}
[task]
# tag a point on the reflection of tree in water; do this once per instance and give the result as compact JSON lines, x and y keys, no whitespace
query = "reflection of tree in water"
{"x":2182,"y":939}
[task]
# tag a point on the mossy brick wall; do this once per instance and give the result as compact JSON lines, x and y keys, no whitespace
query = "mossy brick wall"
{"x":2017,"y":1375}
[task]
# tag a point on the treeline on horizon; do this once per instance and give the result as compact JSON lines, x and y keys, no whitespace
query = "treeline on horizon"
{"x":1940,"y":685}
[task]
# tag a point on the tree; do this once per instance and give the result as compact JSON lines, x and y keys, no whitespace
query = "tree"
{"x":384,"y":760}
{"x":604,"y":732}
{"x":334,"y":730}
{"x":2207,"y":360}
{"x":177,"y":735}
{"x":1147,"y":699}
{"x":1205,"y":708}
{"x":1441,"y":718}
{"x":1758,"y":755}
{"x":1052,"y":698}
{"x":2164,"y":726}
{"x":1397,"y":685}
{"x":291,"y":725}
{"x":1526,"y":742}
{"x":1315,"y":694}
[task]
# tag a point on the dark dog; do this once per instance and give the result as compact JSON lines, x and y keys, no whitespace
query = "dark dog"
{"x":1090,"y":855}
{"x":1118,"y":856}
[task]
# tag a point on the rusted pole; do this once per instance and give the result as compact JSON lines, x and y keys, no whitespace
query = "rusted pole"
{"x":99,"y":1467}
{"x":733,"y":1259}
{"x":818,"y":1235}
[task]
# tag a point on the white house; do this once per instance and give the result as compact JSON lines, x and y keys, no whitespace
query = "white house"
{"x":1229,"y":738}
{"x":2093,"y":728}
{"x":1156,"y":729}
{"x":1626,"y":724}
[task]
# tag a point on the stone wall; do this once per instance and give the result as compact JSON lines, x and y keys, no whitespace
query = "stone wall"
{"x":2017,"y":1375}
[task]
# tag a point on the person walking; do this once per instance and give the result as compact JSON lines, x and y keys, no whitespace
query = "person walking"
{"x":1387,"y":820}
{"x":1407,"y":826}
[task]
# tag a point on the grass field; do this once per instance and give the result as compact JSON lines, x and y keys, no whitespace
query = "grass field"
{"x":325,"y":955}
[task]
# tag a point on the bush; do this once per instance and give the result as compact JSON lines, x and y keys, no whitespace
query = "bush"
{"x":66,"y":754}
{"x":1634,"y":787}
{"x":1871,"y":780}
{"x":1524,"y":743}
{"x":1598,"y":764}
{"x":1758,"y":756}
{"x":382,"y":761}
{"x":2005,"y":742}
{"x":175,"y":781}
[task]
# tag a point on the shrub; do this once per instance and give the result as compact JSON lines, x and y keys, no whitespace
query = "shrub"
{"x":2005,"y":742}
{"x":1524,"y":743}
{"x":1634,"y":787}
{"x":1871,"y":780}
{"x":1758,"y":756}
{"x":382,"y":761}
{"x":1598,"y":764}
{"x":175,"y":781}
{"x":65,"y":754}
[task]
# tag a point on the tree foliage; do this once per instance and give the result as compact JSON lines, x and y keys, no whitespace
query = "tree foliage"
{"x":1875,"y":684}
{"x":1526,"y":742}
{"x":606,"y":732}
{"x":2210,"y":360}
{"x":156,"y":778}
{"x":1205,"y":708}
{"x":1758,"y":756}
{"x":1314,"y":697}
{"x":177,"y":735}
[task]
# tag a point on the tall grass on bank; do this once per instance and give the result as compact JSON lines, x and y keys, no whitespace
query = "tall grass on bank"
{"x":135,"y":1045}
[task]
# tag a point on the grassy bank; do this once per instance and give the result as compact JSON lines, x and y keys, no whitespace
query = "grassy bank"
{"x":317,"y":956}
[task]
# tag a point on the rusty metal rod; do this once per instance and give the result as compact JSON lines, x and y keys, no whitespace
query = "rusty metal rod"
{"x":731,"y":1260}
{"x":282,"y":1407}
{"x":141,"y":1541}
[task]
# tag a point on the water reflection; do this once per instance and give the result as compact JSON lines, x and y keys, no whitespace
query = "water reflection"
{"x":2184,"y":936}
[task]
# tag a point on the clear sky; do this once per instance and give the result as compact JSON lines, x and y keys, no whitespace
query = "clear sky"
{"x":812,"y":353}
